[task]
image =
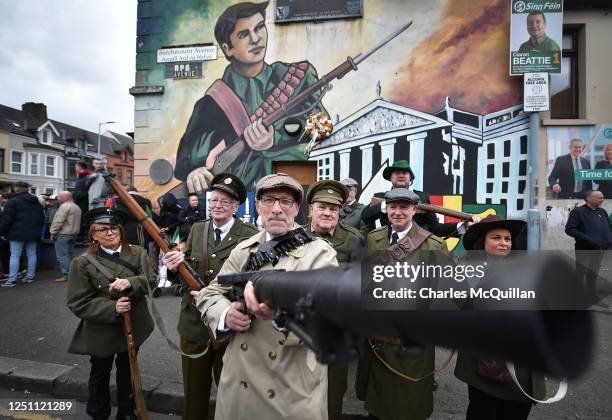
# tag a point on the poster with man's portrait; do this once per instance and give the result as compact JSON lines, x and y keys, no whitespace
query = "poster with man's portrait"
{"x":579,"y":159}
{"x":536,"y":33}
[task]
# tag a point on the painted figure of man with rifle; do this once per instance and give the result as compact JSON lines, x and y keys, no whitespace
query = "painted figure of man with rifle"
{"x":237,"y":126}
{"x":106,"y":290}
{"x":236,"y":104}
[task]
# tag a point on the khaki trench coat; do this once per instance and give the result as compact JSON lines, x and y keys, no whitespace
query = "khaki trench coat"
{"x":266,"y":374}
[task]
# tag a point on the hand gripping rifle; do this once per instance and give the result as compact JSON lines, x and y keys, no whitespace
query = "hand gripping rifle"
{"x":237,"y":150}
{"x":324,"y":309}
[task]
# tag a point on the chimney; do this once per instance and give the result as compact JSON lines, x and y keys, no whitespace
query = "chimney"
{"x":34,"y":114}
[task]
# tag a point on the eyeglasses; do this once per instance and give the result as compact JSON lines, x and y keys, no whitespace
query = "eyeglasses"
{"x":284,"y":203}
{"x":106,"y":230}
{"x":215,"y":201}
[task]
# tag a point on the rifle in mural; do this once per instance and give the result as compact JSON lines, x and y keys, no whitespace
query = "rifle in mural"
{"x":432,"y":208}
{"x":238,"y":152}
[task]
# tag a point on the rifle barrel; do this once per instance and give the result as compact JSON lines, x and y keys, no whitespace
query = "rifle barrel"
{"x":141,"y":407}
{"x":360,"y":57}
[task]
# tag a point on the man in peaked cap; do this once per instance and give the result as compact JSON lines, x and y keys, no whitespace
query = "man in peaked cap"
{"x":208,"y":245}
{"x":386,"y":394}
{"x":350,"y":213}
{"x":401,"y":176}
{"x":326,"y":198}
{"x":260,"y":360}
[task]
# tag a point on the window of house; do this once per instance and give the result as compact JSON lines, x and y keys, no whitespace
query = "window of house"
{"x":2,"y":160}
{"x":33,"y":162}
{"x":46,"y":137}
{"x":120,"y":175}
{"x":50,"y":165}
{"x":17,"y":162}
{"x":129,"y":178}
{"x":564,"y":86}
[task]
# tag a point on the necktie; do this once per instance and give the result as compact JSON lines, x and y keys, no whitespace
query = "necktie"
{"x":217,"y":236}
{"x":394,"y":238}
{"x":578,"y":184}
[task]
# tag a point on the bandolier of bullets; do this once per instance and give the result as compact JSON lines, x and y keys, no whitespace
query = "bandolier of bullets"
{"x":272,"y":251}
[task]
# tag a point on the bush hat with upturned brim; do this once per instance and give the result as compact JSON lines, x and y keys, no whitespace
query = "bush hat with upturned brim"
{"x":480,"y":229}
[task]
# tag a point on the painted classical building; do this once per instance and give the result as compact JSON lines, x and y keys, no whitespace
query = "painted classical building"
{"x":454,"y":152}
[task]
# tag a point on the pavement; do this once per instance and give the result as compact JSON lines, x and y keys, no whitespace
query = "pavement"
{"x":37,"y":327}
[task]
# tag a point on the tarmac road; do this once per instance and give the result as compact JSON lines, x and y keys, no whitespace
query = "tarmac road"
{"x":37,"y":326}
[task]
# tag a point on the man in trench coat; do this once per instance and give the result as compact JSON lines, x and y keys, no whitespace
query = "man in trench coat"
{"x":268,"y":373}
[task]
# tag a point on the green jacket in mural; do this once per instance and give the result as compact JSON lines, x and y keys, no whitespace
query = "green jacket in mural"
{"x":190,"y":326}
{"x":210,"y":124}
{"x":387,"y":395}
{"x":100,"y":332}
{"x":542,"y":44}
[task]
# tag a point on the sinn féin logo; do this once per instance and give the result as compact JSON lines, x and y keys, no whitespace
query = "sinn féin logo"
{"x":519,"y":7}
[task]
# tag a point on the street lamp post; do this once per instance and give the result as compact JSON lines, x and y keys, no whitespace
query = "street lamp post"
{"x":100,"y":124}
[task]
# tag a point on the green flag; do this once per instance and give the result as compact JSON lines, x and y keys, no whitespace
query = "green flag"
{"x":175,"y":237}
{"x":149,"y":212}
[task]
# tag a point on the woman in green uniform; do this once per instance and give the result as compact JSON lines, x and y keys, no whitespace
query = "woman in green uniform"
{"x":492,"y":392}
{"x":100,"y":303}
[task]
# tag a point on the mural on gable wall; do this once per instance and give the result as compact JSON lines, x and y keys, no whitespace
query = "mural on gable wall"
{"x":438,"y":96}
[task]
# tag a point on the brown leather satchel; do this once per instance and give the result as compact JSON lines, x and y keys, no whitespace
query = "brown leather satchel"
{"x":494,"y":370}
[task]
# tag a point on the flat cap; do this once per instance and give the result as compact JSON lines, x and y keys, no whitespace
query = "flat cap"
{"x":327,"y":191}
{"x":279,"y":180}
{"x":21,"y":184}
{"x":349,"y":182}
{"x":401,"y":194}
{"x":231,"y":184}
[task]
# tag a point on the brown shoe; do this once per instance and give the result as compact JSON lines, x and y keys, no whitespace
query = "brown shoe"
{"x":60,"y":280}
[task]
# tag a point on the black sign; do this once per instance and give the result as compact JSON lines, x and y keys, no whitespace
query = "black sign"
{"x":184,"y":70}
{"x":300,"y":10}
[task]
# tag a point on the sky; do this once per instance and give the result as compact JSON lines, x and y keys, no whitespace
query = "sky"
{"x":75,"y":56}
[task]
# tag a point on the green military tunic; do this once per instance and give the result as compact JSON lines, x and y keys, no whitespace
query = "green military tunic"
{"x":341,"y":240}
{"x":351,"y":215}
{"x":100,"y":332}
{"x":542,"y":44}
{"x":207,"y":127}
{"x":190,"y":325}
{"x":388,"y":396}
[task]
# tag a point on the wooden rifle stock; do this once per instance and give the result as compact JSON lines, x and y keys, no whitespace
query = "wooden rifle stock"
{"x":141,"y":407}
{"x":432,"y":208}
{"x":188,"y":274}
